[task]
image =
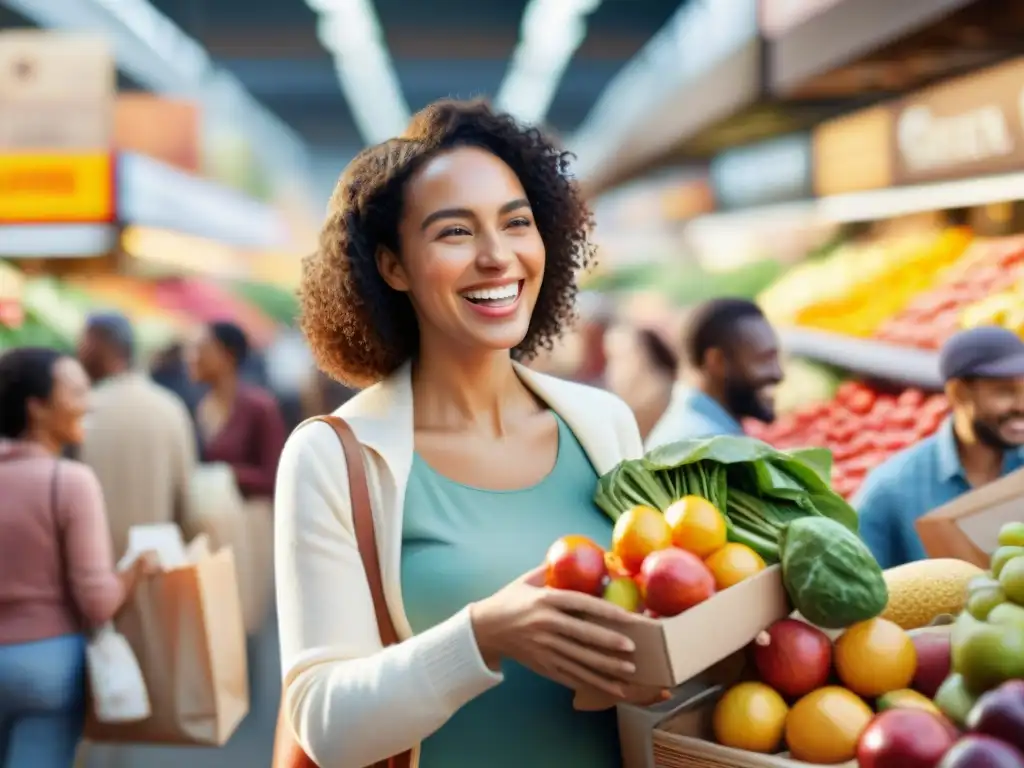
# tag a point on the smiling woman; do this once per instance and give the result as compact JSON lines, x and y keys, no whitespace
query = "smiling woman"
{"x":448,"y":253}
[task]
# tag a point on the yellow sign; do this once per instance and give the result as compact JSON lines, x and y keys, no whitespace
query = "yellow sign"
{"x":56,"y":188}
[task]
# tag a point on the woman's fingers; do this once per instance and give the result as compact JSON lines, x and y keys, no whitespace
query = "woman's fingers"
{"x":593,"y":635}
{"x":575,"y":673}
{"x":616,"y":667}
{"x":588,"y":605}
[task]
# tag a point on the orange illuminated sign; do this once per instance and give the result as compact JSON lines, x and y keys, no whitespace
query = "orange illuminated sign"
{"x":56,"y":188}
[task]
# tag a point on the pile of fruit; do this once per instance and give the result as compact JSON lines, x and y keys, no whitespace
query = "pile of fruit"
{"x":660,"y":564}
{"x":840,"y":293}
{"x":982,"y":289}
{"x":942,"y":699}
{"x":723,"y":500}
{"x":861,"y":427}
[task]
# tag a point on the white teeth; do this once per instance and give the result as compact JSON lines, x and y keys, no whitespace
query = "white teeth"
{"x":509,"y":291}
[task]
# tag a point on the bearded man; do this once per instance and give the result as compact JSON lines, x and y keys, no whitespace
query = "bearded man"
{"x":731,"y":370}
{"x":983,"y":371}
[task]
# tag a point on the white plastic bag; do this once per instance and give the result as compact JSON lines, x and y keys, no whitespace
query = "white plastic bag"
{"x":116,"y":685}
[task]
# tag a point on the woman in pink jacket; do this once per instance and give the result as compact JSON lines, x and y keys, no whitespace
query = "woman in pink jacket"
{"x":57,"y":575}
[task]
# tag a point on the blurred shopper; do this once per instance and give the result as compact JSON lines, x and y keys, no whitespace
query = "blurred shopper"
{"x":641,"y":369}
{"x":240,"y":424}
{"x":733,"y":368}
{"x":57,"y":577}
{"x":170,"y":370}
{"x":139,"y":437}
{"x":983,"y":370}
{"x":445,"y":254}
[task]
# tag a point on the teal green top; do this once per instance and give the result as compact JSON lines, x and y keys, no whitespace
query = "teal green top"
{"x":461,"y":544}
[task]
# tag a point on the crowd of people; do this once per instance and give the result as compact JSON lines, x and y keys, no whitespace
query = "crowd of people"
{"x":137,"y":440}
{"x":448,"y":259}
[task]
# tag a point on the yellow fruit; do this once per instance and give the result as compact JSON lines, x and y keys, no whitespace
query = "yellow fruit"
{"x":697,"y":526}
{"x":906,"y":699}
{"x":921,"y":591}
{"x":733,"y":563}
{"x":874,"y":657}
{"x":640,"y":531}
{"x":823,"y":727}
{"x":750,"y":716}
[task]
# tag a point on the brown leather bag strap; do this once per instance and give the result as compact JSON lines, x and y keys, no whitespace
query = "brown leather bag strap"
{"x":362,"y":523}
{"x":366,"y":541}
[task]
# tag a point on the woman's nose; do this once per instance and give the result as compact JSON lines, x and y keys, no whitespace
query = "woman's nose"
{"x":492,"y":253}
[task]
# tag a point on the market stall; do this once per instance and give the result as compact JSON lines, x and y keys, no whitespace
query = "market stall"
{"x":771,"y":67}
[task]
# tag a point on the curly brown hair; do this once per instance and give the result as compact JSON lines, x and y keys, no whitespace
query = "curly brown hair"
{"x":358,"y":327}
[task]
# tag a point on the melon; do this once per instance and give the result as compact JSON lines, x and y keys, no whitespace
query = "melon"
{"x":923,"y":591}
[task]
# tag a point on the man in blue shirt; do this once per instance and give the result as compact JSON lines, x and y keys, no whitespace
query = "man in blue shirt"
{"x":983,"y":370}
{"x":733,"y":357}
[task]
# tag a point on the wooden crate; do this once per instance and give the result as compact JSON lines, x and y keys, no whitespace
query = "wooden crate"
{"x":683,"y":741}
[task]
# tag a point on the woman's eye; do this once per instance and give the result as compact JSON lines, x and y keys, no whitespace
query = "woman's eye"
{"x":454,"y":232}
{"x":519,"y":222}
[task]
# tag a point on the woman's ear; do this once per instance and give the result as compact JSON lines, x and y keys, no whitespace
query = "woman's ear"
{"x":391,"y":269}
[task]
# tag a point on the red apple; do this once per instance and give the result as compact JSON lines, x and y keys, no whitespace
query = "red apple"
{"x":673,"y":580}
{"x":576,"y":563}
{"x":793,"y":657}
{"x":905,"y":738}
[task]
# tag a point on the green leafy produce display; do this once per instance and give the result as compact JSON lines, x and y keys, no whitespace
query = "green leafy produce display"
{"x":831,"y":576}
{"x":758,"y":488}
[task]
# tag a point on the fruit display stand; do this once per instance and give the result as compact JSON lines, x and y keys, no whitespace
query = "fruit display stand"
{"x":862,"y":426}
{"x":896,"y":402}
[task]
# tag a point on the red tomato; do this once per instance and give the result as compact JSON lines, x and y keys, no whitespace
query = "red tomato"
{"x":904,"y":417}
{"x":911,"y":398}
{"x":846,"y":390}
{"x":861,"y":402}
{"x":896,"y":441}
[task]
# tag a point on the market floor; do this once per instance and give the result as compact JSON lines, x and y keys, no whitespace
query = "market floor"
{"x":251,"y":745}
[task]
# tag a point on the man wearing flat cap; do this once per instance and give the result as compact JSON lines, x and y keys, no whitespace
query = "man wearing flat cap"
{"x":983,"y":371}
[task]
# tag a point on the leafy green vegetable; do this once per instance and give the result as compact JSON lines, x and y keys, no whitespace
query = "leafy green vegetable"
{"x":829,"y":573}
{"x":760,"y":489}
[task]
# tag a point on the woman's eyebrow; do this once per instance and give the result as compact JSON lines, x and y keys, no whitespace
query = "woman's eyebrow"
{"x":465,"y":213}
{"x":447,"y":213}
{"x":514,"y":205}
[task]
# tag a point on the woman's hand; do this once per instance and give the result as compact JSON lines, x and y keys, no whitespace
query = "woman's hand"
{"x":145,"y":565}
{"x":551,"y":631}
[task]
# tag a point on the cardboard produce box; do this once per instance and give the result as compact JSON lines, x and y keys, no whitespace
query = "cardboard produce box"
{"x":966,"y":528}
{"x":672,"y":651}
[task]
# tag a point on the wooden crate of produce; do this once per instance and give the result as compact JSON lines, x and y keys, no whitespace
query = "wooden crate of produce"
{"x":684,"y":741}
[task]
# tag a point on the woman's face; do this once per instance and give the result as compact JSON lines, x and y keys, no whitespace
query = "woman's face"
{"x":60,"y":417}
{"x":206,"y":358}
{"x":472,"y":260}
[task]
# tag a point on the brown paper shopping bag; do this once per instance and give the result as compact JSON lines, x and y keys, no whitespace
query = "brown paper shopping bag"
{"x":185,"y":626}
{"x":218,"y":511}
